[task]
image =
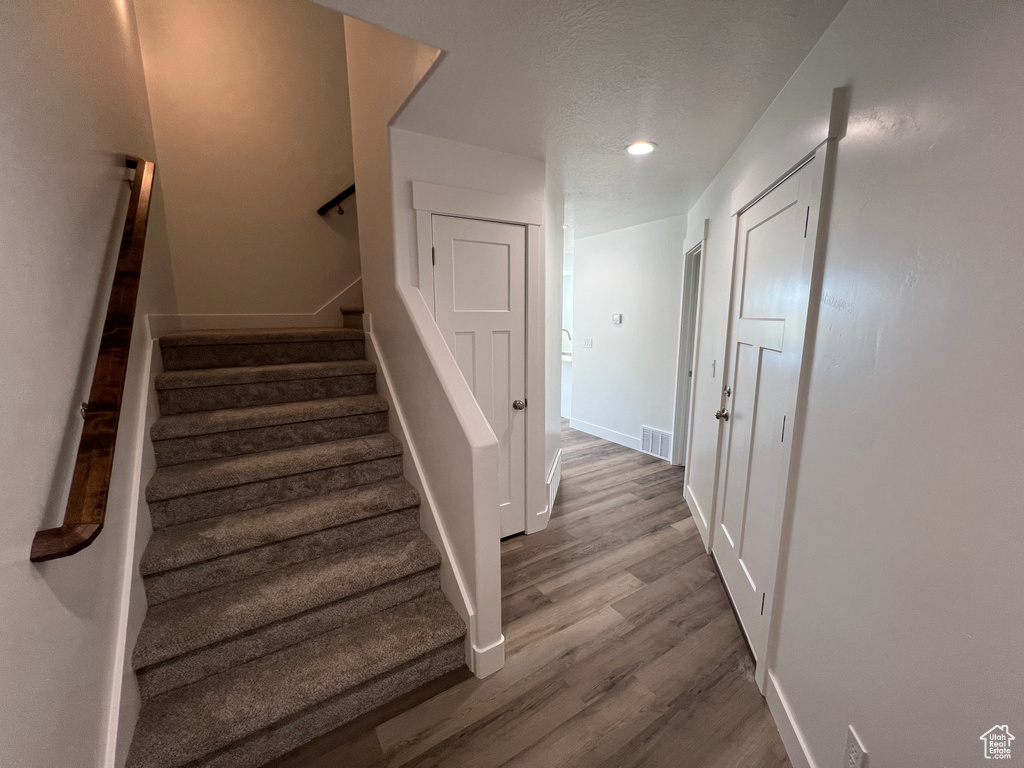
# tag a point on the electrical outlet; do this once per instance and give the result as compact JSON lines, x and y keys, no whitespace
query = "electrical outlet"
{"x":856,"y":755}
{"x":588,"y":343}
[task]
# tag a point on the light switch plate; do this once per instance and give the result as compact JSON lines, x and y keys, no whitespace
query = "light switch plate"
{"x":616,"y":319}
{"x":588,"y":343}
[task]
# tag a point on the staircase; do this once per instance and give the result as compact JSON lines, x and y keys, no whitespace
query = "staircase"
{"x":290,"y":588}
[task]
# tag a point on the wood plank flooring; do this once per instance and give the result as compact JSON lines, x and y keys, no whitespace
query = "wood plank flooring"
{"x":621,"y":647}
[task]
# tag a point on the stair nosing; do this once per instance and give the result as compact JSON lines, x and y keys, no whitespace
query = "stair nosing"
{"x":191,"y":482}
{"x":230,"y":376}
{"x":259,"y":336}
{"x":198,"y":527}
{"x":174,"y":627}
{"x":290,"y":413}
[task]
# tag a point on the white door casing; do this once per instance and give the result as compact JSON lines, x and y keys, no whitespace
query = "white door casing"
{"x":480,"y":308}
{"x":774,"y":262}
{"x":701,"y":515}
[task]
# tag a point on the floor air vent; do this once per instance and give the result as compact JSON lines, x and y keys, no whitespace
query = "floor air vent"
{"x":656,"y":443}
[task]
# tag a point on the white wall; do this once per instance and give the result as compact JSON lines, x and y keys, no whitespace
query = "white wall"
{"x":627,"y":380}
{"x":901,"y":610}
{"x":74,"y":97}
{"x":251,"y":116}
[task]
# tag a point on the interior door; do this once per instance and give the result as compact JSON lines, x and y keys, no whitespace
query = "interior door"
{"x":480,"y":307}
{"x":774,"y":259}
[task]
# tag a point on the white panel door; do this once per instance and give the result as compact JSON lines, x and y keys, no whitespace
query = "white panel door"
{"x":771,"y":285}
{"x":480,"y":307}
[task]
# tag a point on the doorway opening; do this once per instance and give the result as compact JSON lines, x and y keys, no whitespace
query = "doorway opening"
{"x":687,"y":349}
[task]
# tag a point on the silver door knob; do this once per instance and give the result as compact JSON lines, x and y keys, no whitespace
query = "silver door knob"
{"x":519,"y":405}
{"x":722,"y":413}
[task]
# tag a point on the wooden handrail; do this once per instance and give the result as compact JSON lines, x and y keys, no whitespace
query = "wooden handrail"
{"x":323,"y":209}
{"x":90,"y":483}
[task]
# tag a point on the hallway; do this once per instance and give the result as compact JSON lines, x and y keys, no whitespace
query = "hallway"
{"x":621,"y":646}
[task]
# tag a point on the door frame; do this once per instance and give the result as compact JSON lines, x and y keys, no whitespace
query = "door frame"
{"x":689,"y":327}
{"x":429,"y":199}
{"x":688,"y":495}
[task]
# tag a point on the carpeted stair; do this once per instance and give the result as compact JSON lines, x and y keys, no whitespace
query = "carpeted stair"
{"x":290,"y":587}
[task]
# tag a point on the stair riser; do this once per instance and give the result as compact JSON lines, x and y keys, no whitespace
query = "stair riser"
{"x":204,"y":662}
{"x":243,"y":441}
{"x":180,"y":358}
{"x":195,"y":399}
{"x":316,"y":721}
{"x":195,"y":578}
{"x":200,"y":506}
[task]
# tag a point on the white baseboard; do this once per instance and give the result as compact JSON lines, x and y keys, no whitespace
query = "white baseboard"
{"x":350,"y":296}
{"x":792,"y":737}
{"x":328,"y":315}
{"x":699,"y":516}
{"x":486,"y":661}
{"x":608,"y":434}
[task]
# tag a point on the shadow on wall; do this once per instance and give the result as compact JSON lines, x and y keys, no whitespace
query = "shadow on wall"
{"x":251,"y":116}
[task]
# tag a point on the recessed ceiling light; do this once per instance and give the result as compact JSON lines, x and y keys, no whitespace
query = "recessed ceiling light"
{"x":641,"y":147}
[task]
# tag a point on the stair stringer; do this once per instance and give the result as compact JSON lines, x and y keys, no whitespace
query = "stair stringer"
{"x":125,"y":699}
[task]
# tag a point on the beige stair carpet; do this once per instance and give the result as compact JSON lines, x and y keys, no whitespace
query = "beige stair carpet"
{"x":290,"y":587}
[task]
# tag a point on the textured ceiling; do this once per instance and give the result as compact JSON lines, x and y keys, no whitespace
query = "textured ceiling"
{"x":574,"y":82}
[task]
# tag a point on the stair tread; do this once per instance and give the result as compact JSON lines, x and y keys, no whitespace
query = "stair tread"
{"x":213,"y":474}
{"x":253,"y":374}
{"x":258,"y":336}
{"x":274,"y":414}
{"x":185,"y":624}
{"x":185,"y":724}
{"x":196,"y":542}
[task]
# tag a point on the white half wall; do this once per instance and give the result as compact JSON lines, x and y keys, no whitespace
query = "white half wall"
{"x":627,"y":380}
{"x":899,"y":609}
{"x":74,"y":96}
{"x":251,"y":116}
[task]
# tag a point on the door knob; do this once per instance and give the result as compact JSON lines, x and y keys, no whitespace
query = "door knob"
{"x":519,"y":405}
{"x":722,"y":413}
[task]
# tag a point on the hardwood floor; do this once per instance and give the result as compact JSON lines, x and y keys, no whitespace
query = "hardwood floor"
{"x":621,"y":647}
